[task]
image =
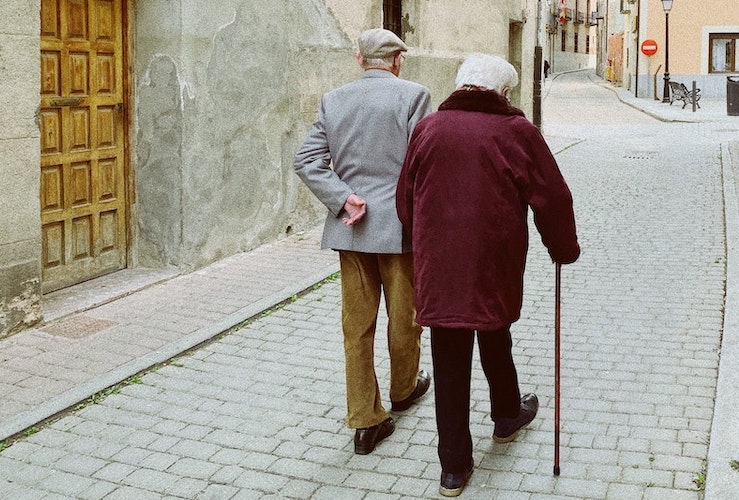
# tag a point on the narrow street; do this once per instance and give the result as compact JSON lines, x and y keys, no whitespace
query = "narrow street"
{"x":259,"y":412}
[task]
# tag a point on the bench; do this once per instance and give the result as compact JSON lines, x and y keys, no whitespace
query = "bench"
{"x":679,"y":92}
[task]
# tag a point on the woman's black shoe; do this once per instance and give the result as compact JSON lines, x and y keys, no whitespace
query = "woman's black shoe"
{"x":453,"y":484}
{"x":506,"y":429}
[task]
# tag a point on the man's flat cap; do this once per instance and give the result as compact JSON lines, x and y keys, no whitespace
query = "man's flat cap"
{"x":379,"y":43}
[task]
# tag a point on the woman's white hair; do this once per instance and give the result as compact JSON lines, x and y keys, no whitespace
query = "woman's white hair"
{"x":484,"y":70}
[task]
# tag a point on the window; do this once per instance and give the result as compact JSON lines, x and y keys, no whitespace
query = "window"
{"x":392,"y":16}
{"x":587,"y":44}
{"x":576,"y":42}
{"x":723,"y":52}
{"x":564,"y":41}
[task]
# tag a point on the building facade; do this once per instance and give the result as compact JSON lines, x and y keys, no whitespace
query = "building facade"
{"x":703,"y":45}
{"x":571,"y":34}
{"x":161,"y":133}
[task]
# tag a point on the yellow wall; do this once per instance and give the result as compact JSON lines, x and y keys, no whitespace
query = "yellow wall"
{"x":688,"y":42}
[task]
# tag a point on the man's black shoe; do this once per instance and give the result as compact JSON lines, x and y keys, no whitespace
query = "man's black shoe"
{"x":453,"y":484}
{"x":366,"y":439}
{"x":423,"y":381}
{"x":506,"y":429}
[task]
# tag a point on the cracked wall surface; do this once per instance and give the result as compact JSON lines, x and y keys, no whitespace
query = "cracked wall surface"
{"x":219,"y":117}
{"x":20,"y":307}
{"x":224,"y":99}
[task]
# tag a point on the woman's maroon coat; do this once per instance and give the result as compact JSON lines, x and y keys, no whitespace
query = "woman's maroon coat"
{"x":471,"y":171}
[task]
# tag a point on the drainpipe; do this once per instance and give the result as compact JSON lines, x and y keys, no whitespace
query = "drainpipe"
{"x":537,"y":69}
{"x":638,"y":38}
{"x":605,"y":38}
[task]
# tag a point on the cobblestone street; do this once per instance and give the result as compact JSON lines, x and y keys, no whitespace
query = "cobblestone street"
{"x":259,"y":411}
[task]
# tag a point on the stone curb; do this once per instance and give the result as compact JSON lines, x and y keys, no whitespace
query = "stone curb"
{"x":722,"y":481}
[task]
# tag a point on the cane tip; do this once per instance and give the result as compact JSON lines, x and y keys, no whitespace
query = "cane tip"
{"x":556,"y":470}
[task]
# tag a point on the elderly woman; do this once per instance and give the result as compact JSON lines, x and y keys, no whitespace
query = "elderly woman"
{"x":472,"y":170}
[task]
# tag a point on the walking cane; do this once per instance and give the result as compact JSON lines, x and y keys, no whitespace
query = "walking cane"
{"x":557,"y":313}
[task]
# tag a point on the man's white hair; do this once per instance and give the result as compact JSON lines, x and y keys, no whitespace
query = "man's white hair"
{"x":378,"y":62}
{"x":484,"y":70}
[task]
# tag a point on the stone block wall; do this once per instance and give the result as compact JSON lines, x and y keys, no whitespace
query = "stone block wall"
{"x":20,"y":284}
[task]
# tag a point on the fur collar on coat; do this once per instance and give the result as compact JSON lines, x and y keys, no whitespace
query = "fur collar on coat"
{"x":485,"y":101}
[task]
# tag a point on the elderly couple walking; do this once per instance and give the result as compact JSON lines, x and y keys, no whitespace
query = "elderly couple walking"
{"x":431,"y":210}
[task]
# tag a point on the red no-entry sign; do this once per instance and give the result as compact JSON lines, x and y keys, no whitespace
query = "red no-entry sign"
{"x":649,"y":47}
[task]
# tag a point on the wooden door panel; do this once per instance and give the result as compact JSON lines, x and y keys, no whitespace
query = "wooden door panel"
{"x":108,"y":231}
{"x":78,"y":124}
{"x":50,"y":121}
{"x":83,"y":176}
{"x":81,"y":185}
{"x":79,"y":74}
{"x":105,"y":21}
{"x":106,"y":181}
{"x":50,"y":68}
{"x":105,"y":74}
{"x":50,"y":19}
{"x":106,"y":127}
{"x":52,"y":245}
{"x":76,"y":17}
{"x":82,"y":237}
{"x":52,"y":194}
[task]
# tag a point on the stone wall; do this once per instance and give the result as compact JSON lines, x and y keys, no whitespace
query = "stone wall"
{"x":20,"y":234}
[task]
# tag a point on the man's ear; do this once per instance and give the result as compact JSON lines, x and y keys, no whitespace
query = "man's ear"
{"x":359,"y":58}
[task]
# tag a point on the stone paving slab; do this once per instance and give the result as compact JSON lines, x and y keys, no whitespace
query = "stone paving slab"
{"x":47,"y":369}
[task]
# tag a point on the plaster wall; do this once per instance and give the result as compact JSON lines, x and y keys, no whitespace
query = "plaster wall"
{"x":689,"y":29}
{"x":444,"y":34}
{"x":571,"y":61}
{"x":20,"y":234}
{"x":686,"y":31}
{"x":220,"y":100}
{"x":223,"y":100}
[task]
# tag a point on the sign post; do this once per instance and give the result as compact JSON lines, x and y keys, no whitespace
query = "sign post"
{"x":649,"y":48}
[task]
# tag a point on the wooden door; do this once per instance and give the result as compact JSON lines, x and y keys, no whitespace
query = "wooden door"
{"x":83,"y":165}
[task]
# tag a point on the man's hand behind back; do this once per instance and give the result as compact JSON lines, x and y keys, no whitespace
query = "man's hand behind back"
{"x":355,"y":207}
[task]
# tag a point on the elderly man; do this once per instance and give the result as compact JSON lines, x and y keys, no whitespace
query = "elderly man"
{"x":472,"y":171}
{"x":363,"y":129}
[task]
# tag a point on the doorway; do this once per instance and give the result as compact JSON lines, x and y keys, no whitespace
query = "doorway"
{"x":515,"y":57}
{"x":82,"y":119}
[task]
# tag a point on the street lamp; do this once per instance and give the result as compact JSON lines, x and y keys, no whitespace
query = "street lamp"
{"x":667,"y":6}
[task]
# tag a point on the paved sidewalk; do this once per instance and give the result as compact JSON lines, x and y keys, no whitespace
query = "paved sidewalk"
{"x":713,"y":110}
{"x":106,"y":331}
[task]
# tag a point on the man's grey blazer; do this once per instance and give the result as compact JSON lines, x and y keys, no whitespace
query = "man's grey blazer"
{"x":363,"y":130}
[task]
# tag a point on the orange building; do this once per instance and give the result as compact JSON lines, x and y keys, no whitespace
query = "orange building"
{"x":696,"y":41}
